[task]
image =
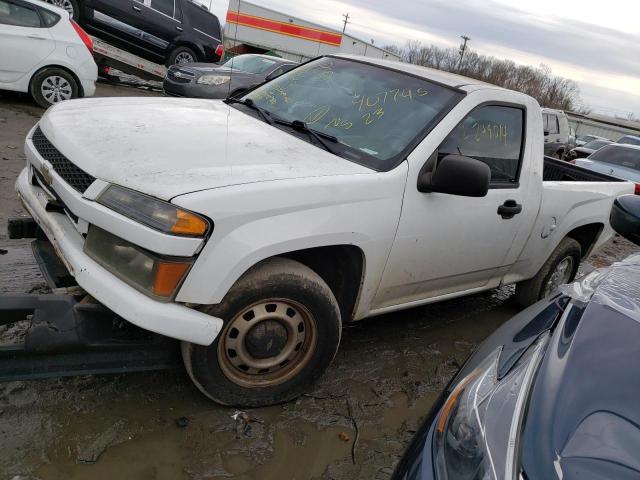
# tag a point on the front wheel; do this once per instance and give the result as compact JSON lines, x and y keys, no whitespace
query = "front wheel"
{"x":560,"y":268}
{"x":282,"y":329}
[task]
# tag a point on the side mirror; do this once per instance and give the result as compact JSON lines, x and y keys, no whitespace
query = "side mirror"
{"x":457,"y":175}
{"x":625,"y":217}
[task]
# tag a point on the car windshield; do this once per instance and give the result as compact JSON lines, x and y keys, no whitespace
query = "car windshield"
{"x":596,"y":144}
{"x":250,"y":64}
{"x":619,"y":156}
{"x":374,"y":113}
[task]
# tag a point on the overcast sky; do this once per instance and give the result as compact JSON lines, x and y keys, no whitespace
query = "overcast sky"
{"x":596,"y":44}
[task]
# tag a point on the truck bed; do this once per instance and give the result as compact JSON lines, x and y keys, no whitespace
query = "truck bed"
{"x":560,"y":171}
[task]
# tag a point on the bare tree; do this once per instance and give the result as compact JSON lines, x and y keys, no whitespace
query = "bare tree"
{"x":549,"y":90}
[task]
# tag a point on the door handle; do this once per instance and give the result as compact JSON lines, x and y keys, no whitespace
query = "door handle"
{"x":179,"y":28}
{"x":509,"y":209}
{"x":137,"y":9}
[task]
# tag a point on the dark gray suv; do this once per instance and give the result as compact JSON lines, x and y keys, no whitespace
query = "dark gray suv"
{"x":237,"y":75}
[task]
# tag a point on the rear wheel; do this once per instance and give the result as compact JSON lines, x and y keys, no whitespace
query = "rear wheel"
{"x":560,"y":268}
{"x":181,"y":55}
{"x":282,"y":329}
{"x":53,"y":85}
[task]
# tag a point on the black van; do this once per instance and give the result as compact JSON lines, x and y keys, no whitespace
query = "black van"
{"x":162,"y":31}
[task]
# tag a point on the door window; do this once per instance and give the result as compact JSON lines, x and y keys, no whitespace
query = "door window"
{"x":18,"y":15}
{"x":552,"y":125}
{"x":494,"y":135}
{"x":164,"y":6}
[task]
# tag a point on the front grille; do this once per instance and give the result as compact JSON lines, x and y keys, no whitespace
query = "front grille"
{"x":74,"y":176}
{"x":180,"y":76}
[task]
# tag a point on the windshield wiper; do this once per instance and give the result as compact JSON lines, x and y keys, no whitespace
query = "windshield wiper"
{"x":266,"y":116}
{"x":319,"y":137}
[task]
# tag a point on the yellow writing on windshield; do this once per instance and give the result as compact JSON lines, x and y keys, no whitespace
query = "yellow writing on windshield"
{"x":318,"y":114}
{"x":337,"y":122}
{"x":371,"y":117}
{"x":382,"y":98}
{"x":487,"y":131}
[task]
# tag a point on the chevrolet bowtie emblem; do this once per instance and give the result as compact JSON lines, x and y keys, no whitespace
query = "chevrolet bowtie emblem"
{"x":46,"y":175}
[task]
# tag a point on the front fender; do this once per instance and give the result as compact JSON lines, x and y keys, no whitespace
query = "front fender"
{"x":257,"y":221}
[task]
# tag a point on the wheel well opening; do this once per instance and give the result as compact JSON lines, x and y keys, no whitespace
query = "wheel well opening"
{"x":586,"y":236}
{"x":341,"y":267}
{"x":70,"y":72}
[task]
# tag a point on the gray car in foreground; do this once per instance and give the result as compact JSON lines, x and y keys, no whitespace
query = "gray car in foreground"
{"x":237,"y":75}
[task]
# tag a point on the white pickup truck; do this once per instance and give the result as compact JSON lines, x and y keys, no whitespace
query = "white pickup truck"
{"x":253,"y":229}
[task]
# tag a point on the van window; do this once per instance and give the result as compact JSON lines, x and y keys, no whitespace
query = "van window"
{"x":18,"y":15}
{"x":552,"y":125}
{"x":494,"y":135}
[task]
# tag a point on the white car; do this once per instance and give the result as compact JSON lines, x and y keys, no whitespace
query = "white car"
{"x":252,"y":230}
{"x":44,"y":52}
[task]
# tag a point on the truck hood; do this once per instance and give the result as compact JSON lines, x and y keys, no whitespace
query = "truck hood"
{"x":169,"y":147}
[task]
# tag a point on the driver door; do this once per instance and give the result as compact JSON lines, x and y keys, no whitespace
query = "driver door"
{"x":446,"y":243}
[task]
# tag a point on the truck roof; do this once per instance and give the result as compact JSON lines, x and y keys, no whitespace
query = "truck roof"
{"x":439,"y":76}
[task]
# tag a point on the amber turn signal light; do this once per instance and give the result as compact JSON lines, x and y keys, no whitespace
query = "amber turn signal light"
{"x":168,"y":276}
{"x":189,"y":224}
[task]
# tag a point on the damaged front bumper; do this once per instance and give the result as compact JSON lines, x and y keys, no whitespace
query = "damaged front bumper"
{"x":170,"y":319}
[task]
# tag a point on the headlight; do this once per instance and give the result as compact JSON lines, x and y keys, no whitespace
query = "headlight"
{"x":156,"y":276}
{"x":154,"y":213}
{"x":212,"y":80}
{"x":478,"y":428}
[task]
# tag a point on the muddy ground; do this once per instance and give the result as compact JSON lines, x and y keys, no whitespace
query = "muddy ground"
{"x":353,"y":424}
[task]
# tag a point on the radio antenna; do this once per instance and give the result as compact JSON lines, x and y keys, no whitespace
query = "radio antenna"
{"x":235,"y":43}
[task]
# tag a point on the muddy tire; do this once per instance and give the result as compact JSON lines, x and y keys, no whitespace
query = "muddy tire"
{"x":281,"y":331}
{"x":561,"y":267}
{"x":53,"y":85}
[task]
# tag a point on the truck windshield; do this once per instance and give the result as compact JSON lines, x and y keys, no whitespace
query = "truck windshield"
{"x":375,"y":114}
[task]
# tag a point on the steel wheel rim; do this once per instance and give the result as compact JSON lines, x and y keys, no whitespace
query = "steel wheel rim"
{"x":241,"y":366}
{"x":55,"y":89}
{"x":66,"y":4}
{"x":560,"y":276}
{"x":184,"y":57}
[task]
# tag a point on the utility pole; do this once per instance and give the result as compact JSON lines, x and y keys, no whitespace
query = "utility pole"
{"x":346,"y":20}
{"x":463,"y":48}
